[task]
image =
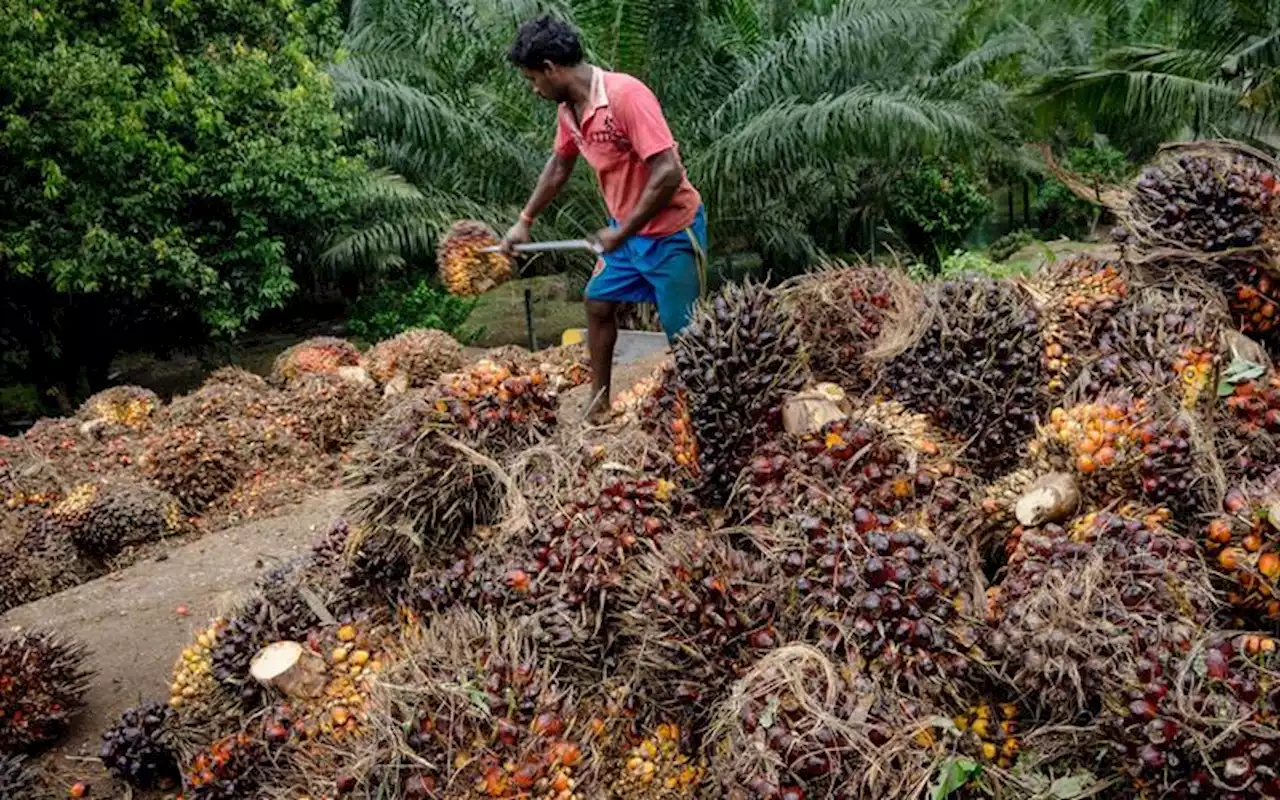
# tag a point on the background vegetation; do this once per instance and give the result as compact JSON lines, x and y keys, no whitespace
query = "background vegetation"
{"x":175,"y":172}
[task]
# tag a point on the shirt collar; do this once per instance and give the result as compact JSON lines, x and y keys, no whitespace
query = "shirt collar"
{"x":599,"y":98}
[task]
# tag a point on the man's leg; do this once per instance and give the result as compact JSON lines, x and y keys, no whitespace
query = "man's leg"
{"x":676,"y":269}
{"x":602,"y":335}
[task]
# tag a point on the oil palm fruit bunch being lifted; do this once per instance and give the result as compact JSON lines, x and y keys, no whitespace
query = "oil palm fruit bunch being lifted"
{"x":976,"y":369}
{"x":464,"y":269}
{"x":739,"y":358}
{"x":43,"y":680}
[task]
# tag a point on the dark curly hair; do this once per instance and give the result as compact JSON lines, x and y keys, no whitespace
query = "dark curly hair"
{"x":546,"y":39}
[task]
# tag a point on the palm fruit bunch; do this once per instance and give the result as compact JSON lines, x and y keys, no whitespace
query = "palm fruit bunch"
{"x":841,"y":312}
{"x":194,"y":692}
{"x":18,"y":781}
{"x":1076,"y":601}
{"x":889,"y":597}
{"x":1074,"y":297}
{"x":236,"y":377}
{"x":224,"y":401}
{"x":420,"y":355}
{"x":849,"y":464}
{"x":232,"y":768}
{"x":1200,"y":722}
{"x":420,"y":479}
{"x":989,"y":731}
{"x":976,"y":369}
{"x":658,"y":769}
{"x":198,"y":464}
{"x":1162,"y":341}
{"x":698,"y":610}
{"x":261,"y":622}
{"x":660,"y":406}
{"x":331,"y":410}
{"x":1243,"y":545}
{"x":1252,"y":294}
{"x":323,"y":354}
{"x":799,"y":725}
{"x":565,"y":366}
{"x":43,"y":680}
{"x":466,"y":271}
{"x":101,"y":520}
{"x":1251,"y":418}
{"x":137,"y":748}
{"x":739,"y":358}
{"x":130,"y":407}
{"x":1206,"y":203}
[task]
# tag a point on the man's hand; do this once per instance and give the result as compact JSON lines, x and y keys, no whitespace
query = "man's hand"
{"x":518,"y":234}
{"x":609,"y":239}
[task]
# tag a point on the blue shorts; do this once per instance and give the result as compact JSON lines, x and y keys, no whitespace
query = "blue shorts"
{"x":670,"y":271}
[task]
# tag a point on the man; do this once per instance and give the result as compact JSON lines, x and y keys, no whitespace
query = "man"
{"x":653,"y":249}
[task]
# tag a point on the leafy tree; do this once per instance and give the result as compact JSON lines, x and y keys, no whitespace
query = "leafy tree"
{"x":165,"y":169}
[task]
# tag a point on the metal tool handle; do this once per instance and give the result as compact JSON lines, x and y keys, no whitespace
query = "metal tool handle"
{"x":543,"y":247}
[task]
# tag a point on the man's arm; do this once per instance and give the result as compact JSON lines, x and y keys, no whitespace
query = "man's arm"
{"x":555,"y":174}
{"x":665,"y":176}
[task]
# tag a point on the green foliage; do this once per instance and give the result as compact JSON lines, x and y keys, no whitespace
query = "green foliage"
{"x":936,"y":206}
{"x":1004,"y":247}
{"x":1059,"y":212}
{"x":166,"y":166}
{"x":964,"y":262}
{"x":396,"y":307}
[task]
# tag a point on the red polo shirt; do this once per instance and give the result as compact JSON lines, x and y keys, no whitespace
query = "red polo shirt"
{"x":622,"y":128}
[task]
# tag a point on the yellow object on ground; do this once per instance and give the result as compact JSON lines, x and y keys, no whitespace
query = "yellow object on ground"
{"x":572,"y":336}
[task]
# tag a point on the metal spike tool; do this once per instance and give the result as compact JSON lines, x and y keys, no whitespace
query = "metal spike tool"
{"x":544,"y":247}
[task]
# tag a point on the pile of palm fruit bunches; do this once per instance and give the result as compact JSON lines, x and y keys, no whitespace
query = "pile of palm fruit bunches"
{"x":858,"y":538}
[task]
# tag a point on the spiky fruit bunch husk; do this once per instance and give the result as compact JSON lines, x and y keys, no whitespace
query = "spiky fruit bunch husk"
{"x":464,"y":270}
{"x":739,"y":358}
{"x":236,"y":377}
{"x":131,"y":407}
{"x":260,"y":623}
{"x":331,"y":410}
{"x":698,"y":610}
{"x":1075,"y":297}
{"x":421,"y":355}
{"x":989,"y":732}
{"x":1200,"y":721}
{"x":879,"y":594}
{"x":841,"y":312}
{"x":425,"y":458}
{"x":37,"y":563}
{"x":1163,"y":342}
{"x":976,"y":369}
{"x":136,"y":749}
{"x":850,"y":464}
{"x":512,"y":731}
{"x":102,"y":520}
{"x":1076,"y":604}
{"x":658,"y":769}
{"x":43,"y":680}
{"x":322,"y":354}
{"x":1207,"y":202}
{"x":1243,"y":545}
{"x":1121,"y":448}
{"x":799,"y":725}
{"x":232,"y":768}
{"x":18,"y":781}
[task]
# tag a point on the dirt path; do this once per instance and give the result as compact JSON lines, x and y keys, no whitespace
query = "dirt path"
{"x":130,"y":623}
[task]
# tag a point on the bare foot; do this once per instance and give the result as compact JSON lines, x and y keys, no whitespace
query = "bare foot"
{"x":599,"y":412}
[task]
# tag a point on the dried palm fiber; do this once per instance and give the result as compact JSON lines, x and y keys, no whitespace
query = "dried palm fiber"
{"x":1117,"y":447}
{"x":236,"y":377}
{"x":802,"y":725}
{"x":331,"y":411}
{"x":433,"y":463}
{"x":129,"y":407}
{"x":323,"y":354}
{"x":696,"y":611}
{"x":1078,"y":605}
{"x":472,"y":705}
{"x":138,"y":749}
{"x":1074,"y":298}
{"x":421,"y":355}
{"x":971,"y":360}
{"x":841,"y":312}
{"x":738,"y":358}
{"x":43,"y":679}
{"x":881,"y":459}
{"x":1243,"y":547}
{"x":1200,"y":721}
{"x":18,"y":781}
{"x":1165,"y":340}
{"x":464,"y":270}
{"x":103,"y":519}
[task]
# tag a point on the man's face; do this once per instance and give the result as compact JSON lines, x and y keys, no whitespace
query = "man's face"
{"x":547,"y":82}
